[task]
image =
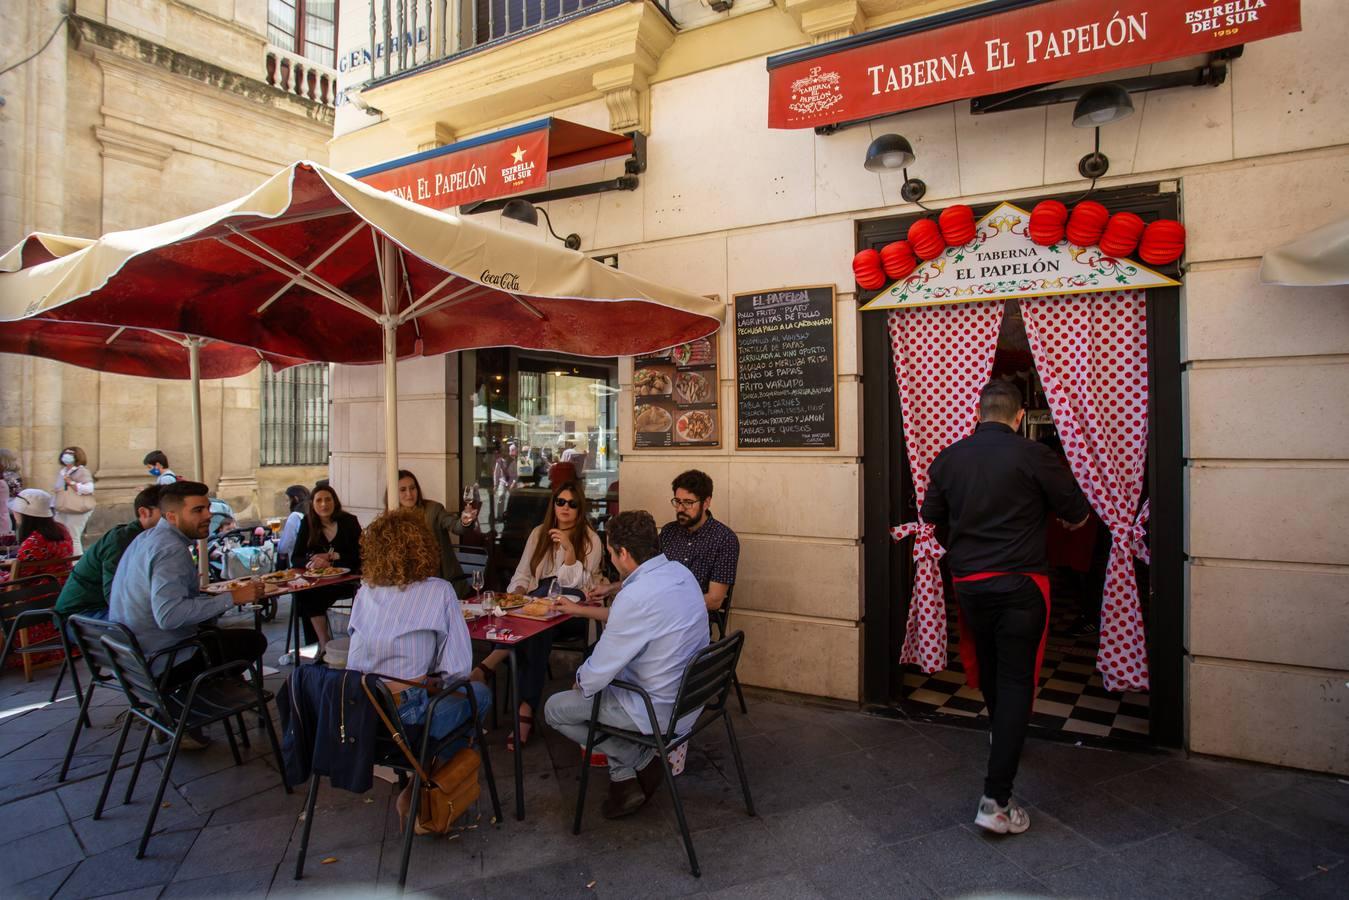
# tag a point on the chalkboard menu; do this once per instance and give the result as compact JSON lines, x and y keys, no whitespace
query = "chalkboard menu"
{"x":675,"y":397}
{"x":785,"y":369}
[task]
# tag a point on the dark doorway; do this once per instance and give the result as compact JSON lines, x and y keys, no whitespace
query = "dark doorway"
{"x":890,"y":499}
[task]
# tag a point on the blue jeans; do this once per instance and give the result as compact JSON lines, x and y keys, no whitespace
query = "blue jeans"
{"x":450,"y":714}
{"x":100,"y":614}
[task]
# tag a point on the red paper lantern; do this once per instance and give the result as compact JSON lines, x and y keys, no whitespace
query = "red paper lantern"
{"x":1121,"y":234}
{"x":1163,"y":242}
{"x":897,"y":259}
{"x":926,"y":239}
{"x":957,"y":224}
{"x":1046,"y":222}
{"x":866,"y":266}
{"x":1087,"y":223}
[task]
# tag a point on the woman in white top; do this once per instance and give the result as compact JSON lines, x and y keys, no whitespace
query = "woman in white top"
{"x":74,"y":495}
{"x":566,"y":549}
{"x":406,"y":622}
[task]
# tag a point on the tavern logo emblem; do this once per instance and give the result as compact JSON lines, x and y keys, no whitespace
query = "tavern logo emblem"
{"x":817,"y":92}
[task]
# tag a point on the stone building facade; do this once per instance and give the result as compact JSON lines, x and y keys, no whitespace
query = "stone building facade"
{"x":727,"y":205}
{"x":130,"y":113}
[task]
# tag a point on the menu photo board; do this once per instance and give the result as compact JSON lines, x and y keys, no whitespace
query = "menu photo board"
{"x":786,"y":372}
{"x":675,"y":397}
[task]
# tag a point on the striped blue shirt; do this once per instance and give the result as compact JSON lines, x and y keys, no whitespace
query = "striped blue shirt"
{"x":409,"y":632}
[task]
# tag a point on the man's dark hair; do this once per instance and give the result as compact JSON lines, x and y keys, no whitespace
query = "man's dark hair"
{"x":171,"y":496}
{"x":147,"y":499}
{"x":697,"y":483}
{"x":999,"y":401}
{"x":157,"y":457}
{"x":298,"y":495}
{"x":635,"y":532}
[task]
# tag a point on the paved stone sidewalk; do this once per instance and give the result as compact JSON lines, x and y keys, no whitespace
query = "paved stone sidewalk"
{"x":849,"y":806}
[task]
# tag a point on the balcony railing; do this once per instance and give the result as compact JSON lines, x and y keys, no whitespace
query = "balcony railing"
{"x":405,"y":34}
{"x":300,"y":76}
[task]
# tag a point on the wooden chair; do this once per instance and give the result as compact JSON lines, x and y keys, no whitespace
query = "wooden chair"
{"x":25,"y":602}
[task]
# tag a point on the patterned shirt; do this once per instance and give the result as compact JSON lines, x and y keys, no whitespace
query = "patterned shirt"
{"x":409,"y":632}
{"x":710,"y":553}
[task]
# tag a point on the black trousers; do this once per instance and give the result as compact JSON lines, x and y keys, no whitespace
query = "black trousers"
{"x":223,"y":645}
{"x":1007,"y":616}
{"x":532,"y":659}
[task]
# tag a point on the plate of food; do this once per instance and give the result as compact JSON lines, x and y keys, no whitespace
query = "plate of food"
{"x":692,"y":387}
{"x":326,"y":572}
{"x":512,"y":601}
{"x":537,"y":609}
{"x":694,"y":353}
{"x":696,"y":425}
{"x":652,"y":419}
{"x":224,"y":587}
{"x":651,"y":383}
{"x":281,"y":577}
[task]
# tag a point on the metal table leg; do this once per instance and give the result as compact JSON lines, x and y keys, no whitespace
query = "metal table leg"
{"x":519,"y":745}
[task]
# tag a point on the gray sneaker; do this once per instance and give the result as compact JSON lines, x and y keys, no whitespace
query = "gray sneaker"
{"x":195,"y":739}
{"x":1009,"y":819}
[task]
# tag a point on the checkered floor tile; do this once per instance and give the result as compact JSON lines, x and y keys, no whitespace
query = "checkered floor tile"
{"x":1070,"y":698}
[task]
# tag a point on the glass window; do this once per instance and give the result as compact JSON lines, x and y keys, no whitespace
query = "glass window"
{"x":307,"y":27}
{"x":295,"y":416}
{"x":531,"y":412}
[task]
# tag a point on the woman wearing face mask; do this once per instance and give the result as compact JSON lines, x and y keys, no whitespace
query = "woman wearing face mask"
{"x":442,"y":523}
{"x":74,"y":495}
{"x":328,"y":537}
{"x":564,"y":549}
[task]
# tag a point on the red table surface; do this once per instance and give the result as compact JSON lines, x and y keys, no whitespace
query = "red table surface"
{"x":521,"y":628}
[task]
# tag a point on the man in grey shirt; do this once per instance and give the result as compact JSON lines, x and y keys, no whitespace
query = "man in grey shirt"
{"x":657,"y":624}
{"x":155,"y":592}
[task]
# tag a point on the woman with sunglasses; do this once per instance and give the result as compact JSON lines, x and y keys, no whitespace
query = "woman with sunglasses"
{"x":564,"y":549}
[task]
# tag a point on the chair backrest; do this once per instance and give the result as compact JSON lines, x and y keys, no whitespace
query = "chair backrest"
{"x":471,"y":559}
{"x":89,"y":634}
{"x":707,"y":677}
{"x":39,"y":593}
{"x":134,"y":675}
{"x":58,"y":568}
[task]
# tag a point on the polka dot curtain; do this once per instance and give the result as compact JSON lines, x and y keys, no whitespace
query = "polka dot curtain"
{"x":1091,"y":352}
{"x":943,"y":355}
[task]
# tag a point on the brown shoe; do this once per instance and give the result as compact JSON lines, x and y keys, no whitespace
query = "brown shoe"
{"x":650,"y":777}
{"x":625,"y":798}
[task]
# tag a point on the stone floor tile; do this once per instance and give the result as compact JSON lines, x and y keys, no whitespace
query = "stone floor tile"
{"x":816,"y":833}
{"x":1274,"y":852}
{"x":893,"y":815}
{"x":36,"y":813}
{"x":121,"y":824}
{"x":564,"y":879}
{"x":1332,"y":884}
{"x":1167,"y":793}
{"x":118,"y":869}
{"x":1309,"y":812}
{"x":230,"y":784}
{"x":878,"y":873}
{"x":1048,"y":846}
{"x":40,"y":888}
{"x":953,"y":861}
{"x":231,"y":848}
{"x":247,"y":883}
{"x":355,"y":870}
{"x":38,"y":853}
{"x":1194,"y":869}
{"x":781,"y":887}
{"x":1106,"y":821}
{"x":146,"y":893}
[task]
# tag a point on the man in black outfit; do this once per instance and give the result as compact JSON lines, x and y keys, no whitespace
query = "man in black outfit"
{"x":988,"y":497}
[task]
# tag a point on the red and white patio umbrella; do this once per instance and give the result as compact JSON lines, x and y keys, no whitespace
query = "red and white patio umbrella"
{"x":317,"y":266}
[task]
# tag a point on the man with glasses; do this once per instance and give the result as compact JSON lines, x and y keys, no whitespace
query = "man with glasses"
{"x":706,"y":547}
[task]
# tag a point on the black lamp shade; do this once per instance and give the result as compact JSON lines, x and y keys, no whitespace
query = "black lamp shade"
{"x":521,"y":211}
{"x":889,"y":153}
{"x":1103,"y":104}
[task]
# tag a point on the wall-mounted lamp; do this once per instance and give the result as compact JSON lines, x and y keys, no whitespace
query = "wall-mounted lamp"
{"x":720,"y":5}
{"x":894,"y":153}
{"x":1103,"y":104}
{"x":354,"y":97}
{"x":524,"y":211}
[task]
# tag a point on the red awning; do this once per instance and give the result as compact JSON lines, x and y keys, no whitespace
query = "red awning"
{"x":970,"y":52}
{"x":493,"y":165}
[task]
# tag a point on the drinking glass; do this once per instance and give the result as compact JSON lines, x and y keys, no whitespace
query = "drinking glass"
{"x":489,"y":602}
{"x":554,"y":590}
{"x":477,"y":581}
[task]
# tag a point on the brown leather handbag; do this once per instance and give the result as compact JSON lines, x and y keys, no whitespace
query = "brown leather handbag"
{"x":447,"y":793}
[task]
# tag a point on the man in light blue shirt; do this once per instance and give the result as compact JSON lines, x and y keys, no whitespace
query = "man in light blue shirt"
{"x":658,"y":622}
{"x":155,"y":591}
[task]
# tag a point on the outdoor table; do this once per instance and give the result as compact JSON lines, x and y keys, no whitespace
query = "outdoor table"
{"x":522,"y":629}
{"x":274,"y":591}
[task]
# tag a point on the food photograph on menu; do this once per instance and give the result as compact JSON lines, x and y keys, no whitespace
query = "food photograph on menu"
{"x":675,"y":397}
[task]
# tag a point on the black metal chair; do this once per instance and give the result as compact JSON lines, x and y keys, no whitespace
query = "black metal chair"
{"x":29,"y":601}
{"x":388,"y":754}
{"x":217,"y":694}
{"x":720,"y":619}
{"x":706,"y":684}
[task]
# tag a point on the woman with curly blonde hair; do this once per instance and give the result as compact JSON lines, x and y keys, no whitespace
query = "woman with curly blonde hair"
{"x":406,"y":622}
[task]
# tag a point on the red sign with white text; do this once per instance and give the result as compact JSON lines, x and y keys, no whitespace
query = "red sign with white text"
{"x":492,"y":169}
{"x":1037,"y":44}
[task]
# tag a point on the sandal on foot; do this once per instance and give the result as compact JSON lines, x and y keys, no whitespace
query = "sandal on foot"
{"x":510,"y":740}
{"x":487,"y":674}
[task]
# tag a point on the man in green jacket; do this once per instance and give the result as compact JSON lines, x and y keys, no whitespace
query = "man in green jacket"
{"x":89,"y":588}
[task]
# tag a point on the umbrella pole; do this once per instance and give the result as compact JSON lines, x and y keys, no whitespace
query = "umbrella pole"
{"x":389,"y":322}
{"x":194,"y":368}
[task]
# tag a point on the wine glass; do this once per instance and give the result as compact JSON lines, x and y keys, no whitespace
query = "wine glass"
{"x":477,"y":581}
{"x":554,"y":590}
